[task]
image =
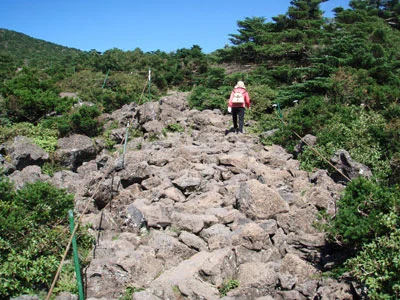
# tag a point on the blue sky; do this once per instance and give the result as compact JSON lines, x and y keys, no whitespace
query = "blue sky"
{"x":128,"y":24}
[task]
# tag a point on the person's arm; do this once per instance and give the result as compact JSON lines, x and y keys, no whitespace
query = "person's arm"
{"x":230,"y":99}
{"x":247,"y":99}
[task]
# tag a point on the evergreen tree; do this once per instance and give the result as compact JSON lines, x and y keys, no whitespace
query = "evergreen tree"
{"x":305,"y":14}
{"x":389,"y":10}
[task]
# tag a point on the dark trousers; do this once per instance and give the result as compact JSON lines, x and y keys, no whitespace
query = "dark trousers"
{"x":238,"y":112}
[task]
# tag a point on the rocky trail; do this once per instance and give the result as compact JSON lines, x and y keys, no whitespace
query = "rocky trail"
{"x":192,"y":212}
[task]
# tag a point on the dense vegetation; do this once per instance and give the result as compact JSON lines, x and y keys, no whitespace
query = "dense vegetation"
{"x":337,"y":79}
{"x":33,"y":235}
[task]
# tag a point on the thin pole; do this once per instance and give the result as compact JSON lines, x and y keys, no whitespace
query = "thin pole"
{"x":105,"y":79}
{"x":73,"y":234}
{"x":76,"y":257}
{"x":149,"y":82}
{"x":280,"y":112}
{"x":126,"y":140}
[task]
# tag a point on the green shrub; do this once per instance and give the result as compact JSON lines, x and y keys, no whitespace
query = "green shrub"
{"x":202,"y":98}
{"x":392,"y":112}
{"x":367,"y":223}
{"x":129,"y":291}
{"x":360,"y":209}
{"x":49,"y":168}
{"x":46,"y":138}
{"x":45,"y":203}
{"x":34,"y":232}
{"x":40,"y":134}
{"x":227,"y":286}
{"x":214,"y":78}
{"x":175,"y":127}
{"x":378,"y":264}
{"x":308,"y":117}
{"x":356,"y":131}
{"x":84,"y":120}
{"x":6,"y":188}
{"x":261,"y":98}
{"x":64,"y":125}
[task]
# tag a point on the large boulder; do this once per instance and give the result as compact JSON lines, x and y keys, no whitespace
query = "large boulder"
{"x":74,"y":150}
{"x":122,"y":116}
{"x":307,"y":140}
{"x":30,"y":174}
{"x":197,"y":277}
{"x":23,"y":152}
{"x":258,"y":201}
{"x":304,"y":275}
{"x":148,"y":112}
{"x":349,"y":169}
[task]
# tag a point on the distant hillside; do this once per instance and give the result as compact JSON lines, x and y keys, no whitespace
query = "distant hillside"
{"x":18,"y":49}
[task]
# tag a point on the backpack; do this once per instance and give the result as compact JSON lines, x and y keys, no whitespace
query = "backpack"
{"x":238,"y":98}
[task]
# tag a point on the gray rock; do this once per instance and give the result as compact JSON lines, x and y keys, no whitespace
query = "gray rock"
{"x":303,"y":272}
{"x":258,"y":275}
{"x":349,"y":169}
{"x":331,"y":289}
{"x":68,"y":180}
{"x":74,"y":150}
{"x":217,"y":236}
{"x":29,"y":174}
{"x":134,"y":173}
{"x":258,"y":201}
{"x":188,"y":182}
{"x":169,"y":248}
{"x":66,"y":296}
{"x":307,"y":140}
{"x":23,"y":152}
{"x":133,"y":218}
{"x":148,"y":112}
{"x":155,"y":215}
{"x":193,"y":241}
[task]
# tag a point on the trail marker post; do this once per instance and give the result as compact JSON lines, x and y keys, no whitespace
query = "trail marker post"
{"x":76,"y":257}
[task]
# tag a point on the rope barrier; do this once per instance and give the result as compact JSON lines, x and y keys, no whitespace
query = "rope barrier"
{"x":73,"y":232}
{"x":141,"y":96}
{"x":310,"y":146}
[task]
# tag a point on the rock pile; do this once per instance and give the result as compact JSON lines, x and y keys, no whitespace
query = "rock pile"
{"x":188,"y":210}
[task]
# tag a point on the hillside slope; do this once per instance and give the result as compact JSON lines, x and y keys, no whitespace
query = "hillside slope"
{"x":23,"y":49}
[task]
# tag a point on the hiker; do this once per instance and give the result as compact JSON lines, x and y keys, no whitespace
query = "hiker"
{"x":238,"y":102}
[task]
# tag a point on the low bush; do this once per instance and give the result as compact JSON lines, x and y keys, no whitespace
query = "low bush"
{"x":85,"y":120}
{"x":378,"y":264}
{"x":34,"y":232}
{"x":41,"y":134}
{"x":360,"y":210}
{"x":227,"y":286}
{"x":203,"y":98}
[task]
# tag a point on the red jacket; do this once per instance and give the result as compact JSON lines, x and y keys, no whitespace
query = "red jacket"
{"x":246,"y":98}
